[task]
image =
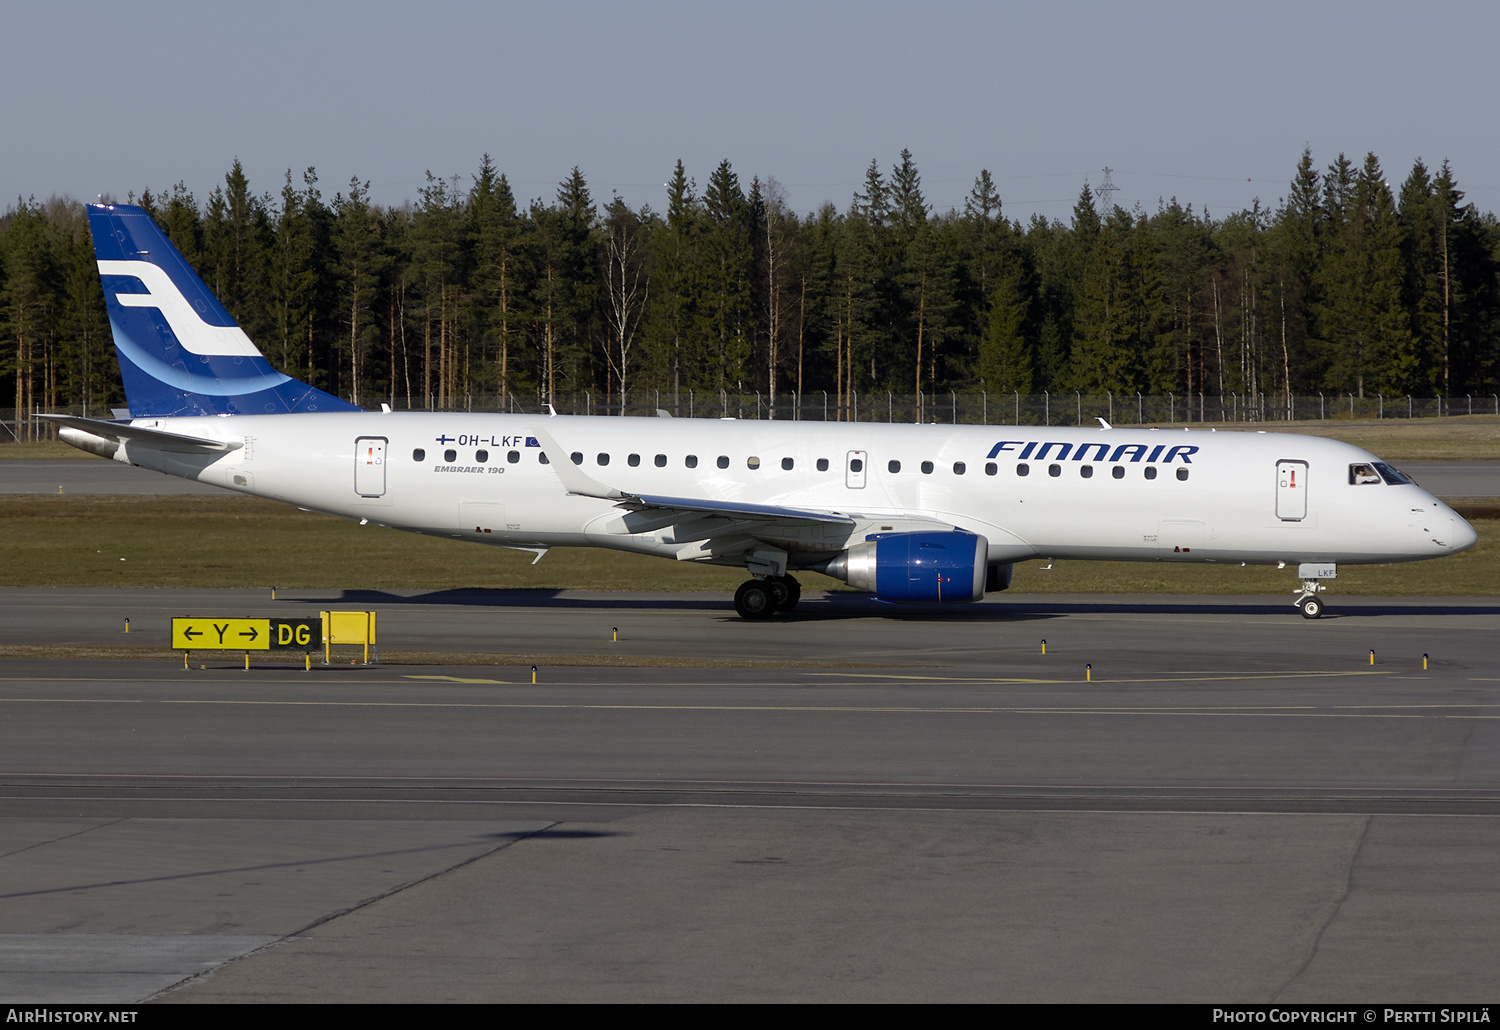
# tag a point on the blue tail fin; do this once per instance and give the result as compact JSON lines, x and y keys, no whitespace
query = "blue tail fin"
{"x":180,"y":352}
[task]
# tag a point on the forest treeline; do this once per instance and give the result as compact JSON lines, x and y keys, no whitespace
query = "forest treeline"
{"x":1347,"y":286}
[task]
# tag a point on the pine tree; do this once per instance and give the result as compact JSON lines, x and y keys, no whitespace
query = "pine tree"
{"x":86,"y":342}
{"x":28,"y":305}
{"x":294,"y":272}
{"x":672,"y":335}
{"x":494,"y":239}
{"x":927,"y":286}
{"x":908,"y":206}
{"x":1385,"y":328}
{"x":361,"y":260}
{"x":578,"y":250}
{"x":727,"y":270}
{"x":1294,"y":251}
{"x":437,"y":258}
{"x":1421,"y":259}
{"x":1103,"y":338}
{"x":1004,"y":359}
{"x":986,"y":239}
{"x":237,"y":237}
{"x":181,"y":223}
{"x":1339,"y":280}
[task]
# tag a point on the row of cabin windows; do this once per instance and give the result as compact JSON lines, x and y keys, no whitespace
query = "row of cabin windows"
{"x":855,"y":464}
{"x":1087,"y":471}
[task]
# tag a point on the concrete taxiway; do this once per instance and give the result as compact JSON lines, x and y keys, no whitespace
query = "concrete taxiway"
{"x":856,"y":802}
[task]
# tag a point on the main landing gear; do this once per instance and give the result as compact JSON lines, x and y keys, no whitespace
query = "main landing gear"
{"x":1313,"y":573}
{"x":762,"y":598}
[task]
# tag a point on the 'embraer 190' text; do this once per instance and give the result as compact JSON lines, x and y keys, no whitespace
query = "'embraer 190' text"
{"x":1060,"y":451}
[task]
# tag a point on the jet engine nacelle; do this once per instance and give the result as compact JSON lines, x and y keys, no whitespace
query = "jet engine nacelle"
{"x":938,"y":567}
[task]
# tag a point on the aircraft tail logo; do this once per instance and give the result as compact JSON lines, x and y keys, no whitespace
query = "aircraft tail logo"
{"x":180,"y":352}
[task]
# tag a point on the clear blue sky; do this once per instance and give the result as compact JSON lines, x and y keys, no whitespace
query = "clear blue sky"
{"x":1210,"y":102}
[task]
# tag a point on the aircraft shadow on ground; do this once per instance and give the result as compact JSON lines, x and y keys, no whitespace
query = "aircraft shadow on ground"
{"x":862,"y":606}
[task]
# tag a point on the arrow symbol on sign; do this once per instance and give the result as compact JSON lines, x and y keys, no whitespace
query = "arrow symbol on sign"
{"x":252,"y":633}
{"x":190,"y":633}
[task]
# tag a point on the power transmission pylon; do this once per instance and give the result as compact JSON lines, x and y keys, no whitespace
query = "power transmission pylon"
{"x":1106,"y":193}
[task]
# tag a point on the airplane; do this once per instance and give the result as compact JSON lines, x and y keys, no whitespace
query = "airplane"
{"x":907,"y":513}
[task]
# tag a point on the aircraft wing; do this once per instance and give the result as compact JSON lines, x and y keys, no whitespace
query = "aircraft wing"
{"x":733,"y":509}
{"x":157,"y":438}
{"x":576,"y":481}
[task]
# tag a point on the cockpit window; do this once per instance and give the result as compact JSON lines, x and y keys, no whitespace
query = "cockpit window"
{"x":1390,"y":475}
{"x":1365,"y":473}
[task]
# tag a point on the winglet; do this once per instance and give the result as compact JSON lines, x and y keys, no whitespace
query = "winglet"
{"x":574,"y":479}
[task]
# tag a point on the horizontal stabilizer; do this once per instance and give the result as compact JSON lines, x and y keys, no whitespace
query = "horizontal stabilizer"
{"x":158,"y":438}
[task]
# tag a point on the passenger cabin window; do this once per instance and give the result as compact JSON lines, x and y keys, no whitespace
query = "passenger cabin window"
{"x":894,"y":466}
{"x":752,"y":462}
{"x":661,"y":461}
{"x":990,"y":468}
{"x":691,"y":461}
{"x":419,"y":455}
{"x":926,"y":468}
{"x":603,"y":459}
{"x":959,"y":468}
{"x":512,"y":456}
{"x":1363,"y":475}
{"x":633,"y":460}
{"x":787,"y":463}
{"x":723,"y":461}
{"x":1054,"y":471}
{"x":1182,"y":474}
{"x":1118,"y":471}
{"x":541,"y":456}
{"x":577,"y":457}
{"x":1023,"y":469}
{"x":481,"y":456}
{"x":1087,"y":472}
{"x":855,"y":465}
{"x":450,"y":455}
{"x":822,"y":464}
{"x":1150,"y":471}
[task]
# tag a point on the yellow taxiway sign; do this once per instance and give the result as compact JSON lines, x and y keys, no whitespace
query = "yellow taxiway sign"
{"x":246,"y":634}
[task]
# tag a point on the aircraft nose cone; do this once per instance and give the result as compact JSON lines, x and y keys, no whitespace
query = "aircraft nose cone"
{"x":1462,"y":537}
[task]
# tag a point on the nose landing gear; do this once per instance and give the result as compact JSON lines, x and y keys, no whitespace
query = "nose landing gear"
{"x":1311,"y":607}
{"x":1313,"y":573}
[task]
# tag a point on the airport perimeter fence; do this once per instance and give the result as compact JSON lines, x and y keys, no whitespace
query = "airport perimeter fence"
{"x":949,"y":407}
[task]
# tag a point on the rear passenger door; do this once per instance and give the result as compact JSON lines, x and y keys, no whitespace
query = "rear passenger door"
{"x":369,"y":466}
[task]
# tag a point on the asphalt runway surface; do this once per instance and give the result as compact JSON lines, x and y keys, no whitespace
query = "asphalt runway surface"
{"x":858,"y":802}
{"x":98,"y":476}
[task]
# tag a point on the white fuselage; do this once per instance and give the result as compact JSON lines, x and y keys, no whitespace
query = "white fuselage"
{"x":1214,"y":497}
